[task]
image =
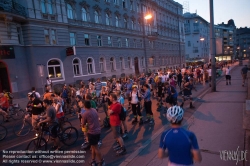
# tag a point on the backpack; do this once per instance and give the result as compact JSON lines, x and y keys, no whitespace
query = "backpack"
{"x":122,"y":114}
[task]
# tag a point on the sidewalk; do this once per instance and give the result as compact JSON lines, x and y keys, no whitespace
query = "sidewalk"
{"x":217,"y":123}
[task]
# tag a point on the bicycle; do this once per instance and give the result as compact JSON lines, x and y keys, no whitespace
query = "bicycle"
{"x":63,"y":124}
{"x":3,"y":132}
{"x":40,"y":143}
{"x":15,"y":112}
{"x":24,"y":128}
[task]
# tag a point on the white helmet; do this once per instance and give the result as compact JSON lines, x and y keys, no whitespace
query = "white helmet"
{"x":175,"y":114}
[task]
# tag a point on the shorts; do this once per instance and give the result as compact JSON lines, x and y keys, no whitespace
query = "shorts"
{"x":93,"y":138}
{"x":54,"y":128}
{"x":98,"y":93}
{"x":228,"y":77}
{"x":4,"y":109}
{"x":171,"y":100}
{"x":115,"y":131}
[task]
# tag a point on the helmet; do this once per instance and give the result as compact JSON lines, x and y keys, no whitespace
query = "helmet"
{"x":134,"y":86}
{"x":29,"y":94}
{"x":175,"y":114}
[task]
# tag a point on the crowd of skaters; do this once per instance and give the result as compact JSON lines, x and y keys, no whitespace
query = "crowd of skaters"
{"x":86,"y":100}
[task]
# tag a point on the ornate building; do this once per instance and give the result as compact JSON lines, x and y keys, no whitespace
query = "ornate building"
{"x":71,"y":40}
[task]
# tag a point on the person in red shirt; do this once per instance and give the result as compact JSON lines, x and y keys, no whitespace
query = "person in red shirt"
{"x":115,"y":122}
{"x":4,"y":104}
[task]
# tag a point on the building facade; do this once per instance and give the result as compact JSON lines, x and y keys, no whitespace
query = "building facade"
{"x":225,"y":41}
{"x":197,"y":46}
{"x":242,"y":42}
{"x":71,"y":40}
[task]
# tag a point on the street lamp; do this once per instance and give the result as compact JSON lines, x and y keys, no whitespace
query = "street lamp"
{"x":147,"y":17}
{"x":202,"y":39}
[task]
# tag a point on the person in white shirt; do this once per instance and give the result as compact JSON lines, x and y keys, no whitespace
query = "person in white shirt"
{"x":37,"y":95}
{"x":228,"y":76}
{"x":118,"y":86}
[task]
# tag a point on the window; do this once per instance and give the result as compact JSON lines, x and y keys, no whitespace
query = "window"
{"x":72,"y":39}
{"x":46,"y":35}
{"x":55,"y":69}
{"x":139,"y":26}
{"x":138,"y":7}
{"x":50,"y":7}
{"x":107,"y":19}
{"x":127,"y":42}
{"x":141,"y":44}
{"x":132,"y":25}
{"x":90,"y":66}
{"x":131,"y":5}
{"x":19,"y":35}
{"x":109,"y":41}
{"x":152,"y":61}
{"x":122,"y":63}
{"x":124,"y":4}
{"x":134,"y":43}
{"x":160,"y":61}
{"x":102,"y":65}
{"x":99,"y":40}
{"x":142,"y":62}
{"x":125,"y":23}
{"x":50,"y":36}
{"x":119,"y":43}
{"x":189,"y":43}
{"x":53,"y":36}
{"x":69,"y":11}
{"x":84,"y":15}
{"x":112,"y":64}
{"x":116,"y":2}
{"x":76,"y":67}
{"x":129,"y":63}
{"x":116,"y":21}
{"x":86,"y":39}
{"x":43,"y":6}
{"x":96,"y":17}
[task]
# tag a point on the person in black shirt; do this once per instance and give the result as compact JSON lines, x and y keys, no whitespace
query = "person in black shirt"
{"x":37,"y":108}
{"x":160,"y":87}
{"x":179,"y":78}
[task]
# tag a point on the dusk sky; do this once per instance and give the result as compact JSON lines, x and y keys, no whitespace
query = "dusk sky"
{"x":224,"y":10}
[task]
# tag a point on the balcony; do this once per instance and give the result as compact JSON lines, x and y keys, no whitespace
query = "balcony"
{"x":12,"y":7}
{"x":152,"y":35}
{"x":196,"y":31}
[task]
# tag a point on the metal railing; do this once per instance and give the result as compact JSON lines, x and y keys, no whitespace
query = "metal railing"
{"x":13,"y":7}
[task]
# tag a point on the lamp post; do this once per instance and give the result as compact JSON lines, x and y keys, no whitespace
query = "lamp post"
{"x":149,"y":16}
{"x":213,"y":50}
{"x":40,"y":69}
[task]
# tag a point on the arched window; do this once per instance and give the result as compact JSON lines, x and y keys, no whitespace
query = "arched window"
{"x":55,"y":69}
{"x":69,"y":11}
{"x":122,"y":63}
{"x":125,"y":23}
{"x":90,"y":66}
{"x":107,"y":19}
{"x":77,"y":67}
{"x":142,"y":62}
{"x":139,"y":26}
{"x":132,"y":25}
{"x":152,"y":61}
{"x":129,"y":63}
{"x":84,"y":14}
{"x":97,"y":17}
{"x":116,"y":21}
{"x":112,"y":64}
{"x":102,"y":64}
{"x":50,"y":6}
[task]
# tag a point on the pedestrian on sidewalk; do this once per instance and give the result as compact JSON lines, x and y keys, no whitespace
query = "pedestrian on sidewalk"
{"x":228,"y":75}
{"x":178,"y":144}
{"x":244,"y":74}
